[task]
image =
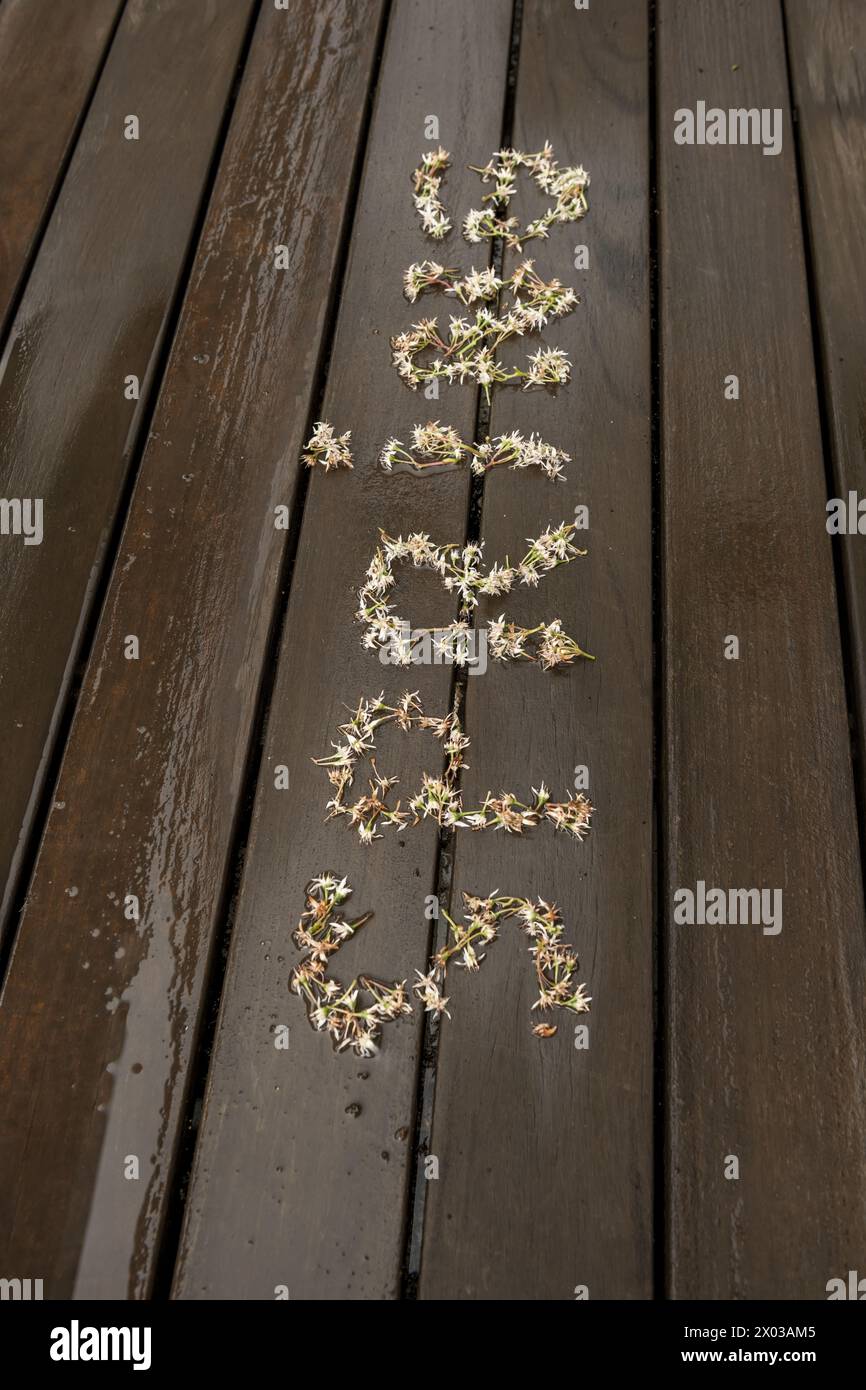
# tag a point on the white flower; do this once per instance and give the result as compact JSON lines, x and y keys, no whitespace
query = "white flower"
{"x":328,"y":449}
{"x":427,"y":181}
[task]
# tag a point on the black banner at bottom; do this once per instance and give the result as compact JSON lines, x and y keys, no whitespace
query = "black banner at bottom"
{"x":198,"y":1337}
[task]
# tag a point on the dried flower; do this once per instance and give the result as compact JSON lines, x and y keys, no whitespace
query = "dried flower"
{"x":427,"y":181}
{"x":437,"y":446}
{"x":439,"y":798}
{"x":555,"y":961}
{"x":350,"y":1020}
{"x":468,"y":352}
{"x":552,"y":646}
{"x":428,"y":992}
{"x":328,"y":449}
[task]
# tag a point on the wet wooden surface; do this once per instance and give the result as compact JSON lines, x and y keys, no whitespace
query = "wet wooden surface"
{"x":50,"y":56}
{"x":155,"y":1141}
{"x":94,"y":312}
{"x":326,"y":1141}
{"x":97,"y":1007}
{"x":827,"y":43}
{"x":766,"y":1035}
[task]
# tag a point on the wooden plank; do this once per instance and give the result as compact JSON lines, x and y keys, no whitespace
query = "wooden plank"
{"x":544,"y":1150}
{"x":766,"y":1035}
{"x":304,"y":1157}
{"x":94,"y":312}
{"x":49,"y":57}
{"x":100,"y":1013}
{"x":827,"y":45}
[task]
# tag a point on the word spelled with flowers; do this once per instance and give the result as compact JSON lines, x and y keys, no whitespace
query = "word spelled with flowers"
{"x":498,"y":309}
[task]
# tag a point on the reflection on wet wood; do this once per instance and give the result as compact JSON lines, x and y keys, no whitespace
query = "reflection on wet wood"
{"x":102,"y":1002}
{"x":93,"y":315}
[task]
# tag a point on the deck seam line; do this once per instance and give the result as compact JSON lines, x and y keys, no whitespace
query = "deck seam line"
{"x":444,"y":866}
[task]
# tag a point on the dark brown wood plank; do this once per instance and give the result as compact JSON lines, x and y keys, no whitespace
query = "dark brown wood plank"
{"x":49,"y":57}
{"x":766,"y":1034}
{"x":827,"y":43}
{"x":100,"y":1014}
{"x":305,"y":1156}
{"x":94,"y":312}
{"x":544,"y":1150}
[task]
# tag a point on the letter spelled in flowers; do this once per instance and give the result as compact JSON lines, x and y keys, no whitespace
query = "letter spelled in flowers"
{"x":555,"y":961}
{"x":440,"y":798}
{"x":565,"y":186}
{"x":460,"y":572}
{"x":440,"y":446}
{"x":467,"y":350}
{"x":352,"y":1015}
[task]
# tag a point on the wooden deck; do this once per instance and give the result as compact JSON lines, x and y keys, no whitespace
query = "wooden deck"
{"x":170,"y":1123}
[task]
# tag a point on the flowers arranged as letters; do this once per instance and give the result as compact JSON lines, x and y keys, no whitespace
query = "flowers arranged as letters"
{"x":439,"y":798}
{"x":437,"y":446}
{"x":467,"y":350}
{"x":555,"y":961}
{"x":459,"y":569}
{"x":495,"y":309}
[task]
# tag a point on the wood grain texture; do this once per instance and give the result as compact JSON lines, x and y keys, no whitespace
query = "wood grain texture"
{"x":545,"y":1152}
{"x":766,"y":1035}
{"x":99,"y":1014}
{"x":94,"y":312}
{"x":827,"y":43}
{"x":49,"y":57}
{"x":304,"y":1156}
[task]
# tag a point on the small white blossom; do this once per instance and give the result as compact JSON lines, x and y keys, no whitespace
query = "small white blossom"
{"x":427,"y":182}
{"x":328,"y":449}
